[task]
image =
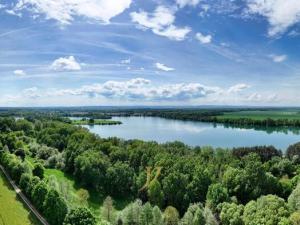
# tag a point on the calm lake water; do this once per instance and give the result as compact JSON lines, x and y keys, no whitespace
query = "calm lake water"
{"x":195,"y":133}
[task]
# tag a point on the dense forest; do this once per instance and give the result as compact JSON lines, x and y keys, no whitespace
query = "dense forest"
{"x":165,"y":184}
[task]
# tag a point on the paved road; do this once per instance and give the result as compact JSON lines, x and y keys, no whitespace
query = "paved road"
{"x":24,"y":198}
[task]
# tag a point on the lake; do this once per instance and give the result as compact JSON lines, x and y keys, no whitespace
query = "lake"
{"x":195,"y":133}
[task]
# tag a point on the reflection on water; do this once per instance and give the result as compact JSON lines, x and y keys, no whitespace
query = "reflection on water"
{"x":197,"y":133}
{"x":269,"y":130}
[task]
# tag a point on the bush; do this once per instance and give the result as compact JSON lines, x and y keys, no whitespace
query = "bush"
{"x":38,"y":171}
{"x":231,"y":214}
{"x":55,"y":208}
{"x":268,"y":209}
{"x":171,"y":216}
{"x":294,"y":199}
{"x":39,"y":194}
{"x":216,"y":194}
{"x":293,"y":152}
{"x":25,"y":181}
{"x":80,"y":216}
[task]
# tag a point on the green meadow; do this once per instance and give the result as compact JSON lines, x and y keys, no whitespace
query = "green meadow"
{"x":72,"y":192}
{"x":262,"y":115}
{"x":12,"y":210}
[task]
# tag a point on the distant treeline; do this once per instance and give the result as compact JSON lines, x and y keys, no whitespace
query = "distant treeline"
{"x":253,"y":122}
{"x":213,"y":115}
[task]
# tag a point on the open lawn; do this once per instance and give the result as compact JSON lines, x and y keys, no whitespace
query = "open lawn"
{"x":12,"y":210}
{"x":262,"y":115}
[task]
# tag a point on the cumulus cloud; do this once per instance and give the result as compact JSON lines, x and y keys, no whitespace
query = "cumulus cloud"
{"x":66,"y":64}
{"x":163,"y":67}
{"x":65,"y":11}
{"x":183,"y":3}
{"x":281,"y":14}
{"x":161,"y":23}
{"x":278,"y":58}
{"x":20,"y":72}
{"x":134,"y":89}
{"x":238,"y":88}
{"x":204,"y":39}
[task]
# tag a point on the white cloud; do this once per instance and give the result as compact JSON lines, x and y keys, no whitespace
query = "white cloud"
{"x":66,"y":64}
{"x":32,"y":92}
{"x":161,"y":23}
{"x":281,"y":14}
{"x":238,"y":88}
{"x":65,"y":11}
{"x":134,"y":89}
{"x":20,"y":72}
{"x":13,"y":12}
{"x":257,"y":97}
{"x":138,"y":90}
{"x":183,"y":3}
{"x":163,"y":67}
{"x":204,"y":39}
{"x":173,"y":33}
{"x":126,"y":61}
{"x":278,"y":58}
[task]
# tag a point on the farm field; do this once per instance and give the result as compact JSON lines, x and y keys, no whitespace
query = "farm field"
{"x":262,"y":115}
{"x":12,"y":210}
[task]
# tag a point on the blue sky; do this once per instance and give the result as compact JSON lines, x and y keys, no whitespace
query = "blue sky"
{"x":153,"y":52}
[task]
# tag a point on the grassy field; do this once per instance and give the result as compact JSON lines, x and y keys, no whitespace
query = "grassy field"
{"x":12,"y":210}
{"x":95,"y":200}
{"x":262,"y":115}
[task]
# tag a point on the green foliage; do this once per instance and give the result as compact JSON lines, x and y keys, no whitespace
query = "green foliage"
{"x":25,"y":181}
{"x":295,"y":218}
{"x":209,"y":217}
{"x":108,"y":211}
{"x":198,"y":187}
{"x":174,"y":186}
{"x":39,"y":194}
{"x":55,"y":208}
{"x":268,"y":209}
{"x":83,"y":196}
{"x":280,"y":167}
{"x":155,"y":193}
{"x":90,"y":169}
{"x":132,"y":213}
{"x":38,"y":170}
{"x":231,"y":214}
{"x":146,"y":214}
{"x":294,"y":199}
{"x":194,"y":216}
{"x":216,"y":194}
{"x":286,"y":187}
{"x":171,"y":216}
{"x":250,"y":181}
{"x":157,"y":216}
{"x":293,"y":152}
{"x":119,"y":180}
{"x":80,"y":216}
{"x":117,"y":167}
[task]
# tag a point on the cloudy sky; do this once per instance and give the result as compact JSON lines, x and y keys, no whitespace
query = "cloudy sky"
{"x":149,"y":52}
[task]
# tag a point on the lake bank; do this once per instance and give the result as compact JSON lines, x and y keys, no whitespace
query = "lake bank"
{"x":196,"y":133}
